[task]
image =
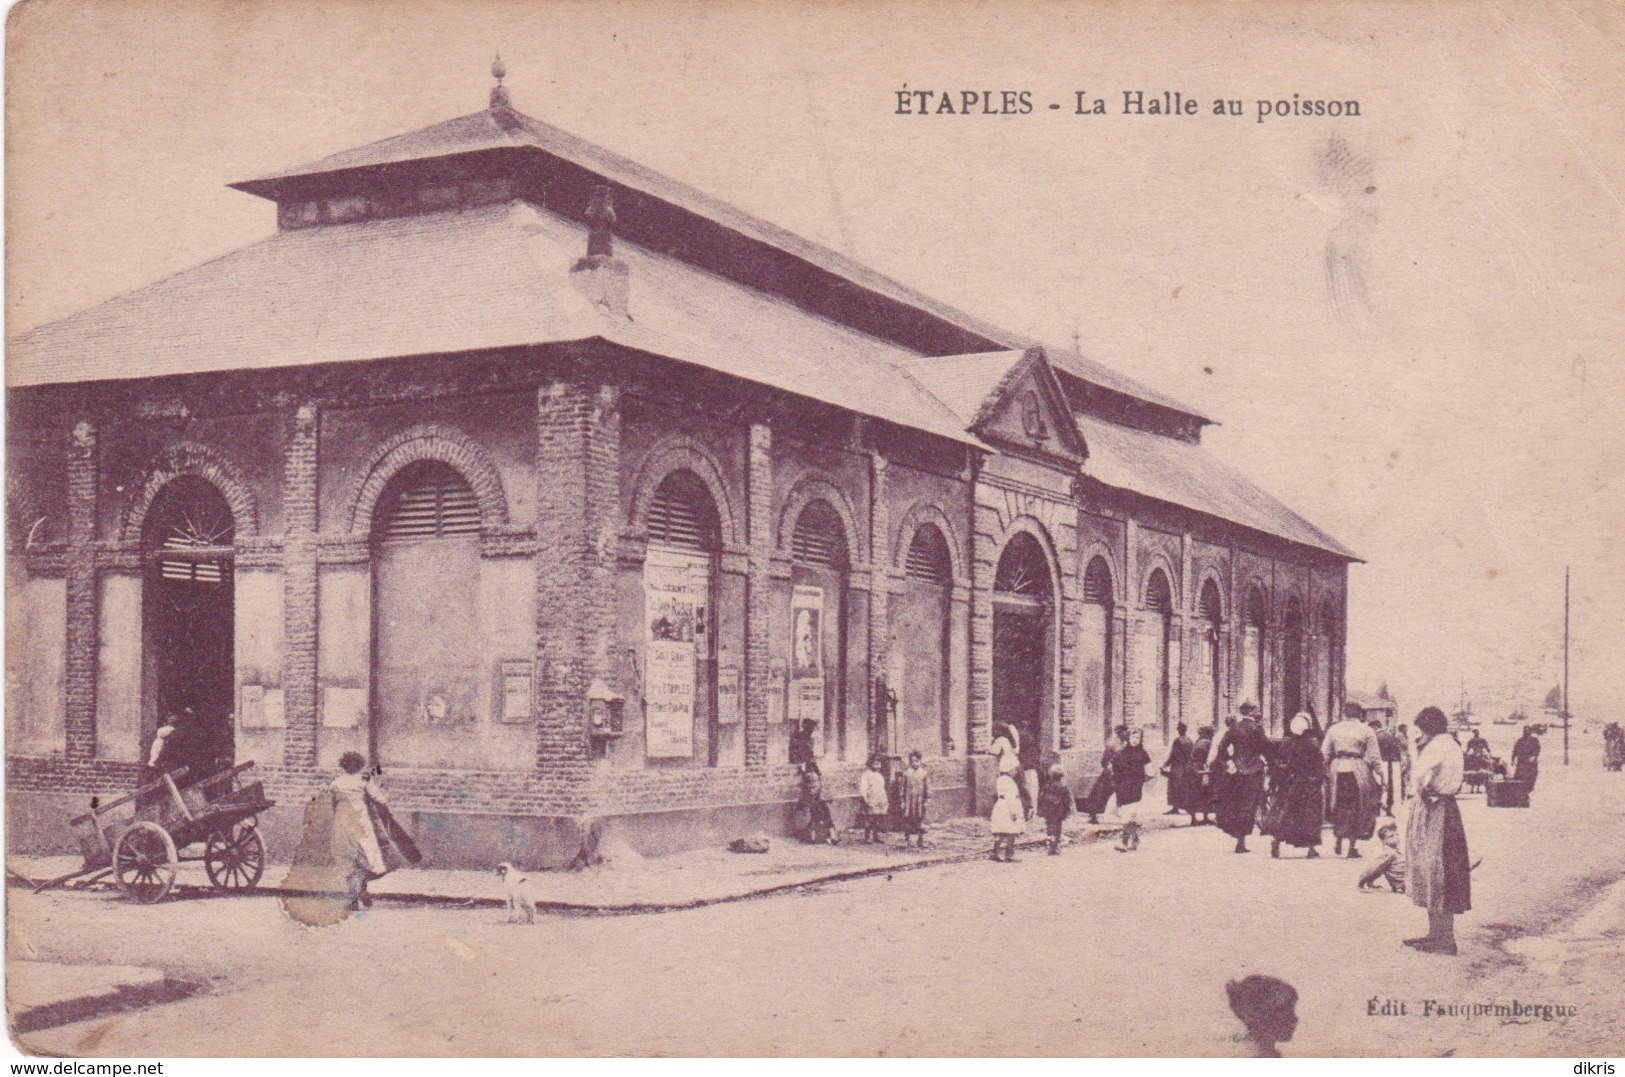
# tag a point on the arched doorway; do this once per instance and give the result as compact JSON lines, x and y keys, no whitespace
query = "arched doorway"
{"x":426,"y":659}
{"x":1159,"y":605}
{"x":189,"y":619}
{"x":1292,"y":697}
{"x":1212,"y":674}
{"x":1095,"y":646}
{"x":679,"y":586}
{"x":1023,"y":648}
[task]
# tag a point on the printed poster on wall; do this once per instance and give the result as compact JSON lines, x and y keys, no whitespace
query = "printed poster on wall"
{"x":806,"y":653}
{"x":672,"y":605}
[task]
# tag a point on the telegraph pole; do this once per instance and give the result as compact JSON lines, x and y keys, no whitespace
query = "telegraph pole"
{"x":1565,"y":666}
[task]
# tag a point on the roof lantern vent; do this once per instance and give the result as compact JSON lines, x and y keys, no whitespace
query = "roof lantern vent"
{"x":499,"y":92}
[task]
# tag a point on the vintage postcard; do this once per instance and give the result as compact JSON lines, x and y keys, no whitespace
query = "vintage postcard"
{"x":881,"y":528}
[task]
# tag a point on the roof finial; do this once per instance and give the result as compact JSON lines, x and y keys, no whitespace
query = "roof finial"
{"x":601,"y":223}
{"x":499,"y":93}
{"x":1077,"y":343}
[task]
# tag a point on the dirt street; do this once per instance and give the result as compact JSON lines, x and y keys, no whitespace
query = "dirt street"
{"x":1100,"y":952}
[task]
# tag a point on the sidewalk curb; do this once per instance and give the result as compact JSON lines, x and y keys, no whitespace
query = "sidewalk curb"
{"x":1095,"y":834}
{"x":570,"y":908}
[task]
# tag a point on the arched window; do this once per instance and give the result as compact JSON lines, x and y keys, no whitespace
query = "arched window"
{"x":427,"y":659}
{"x":1095,"y":646}
{"x":1023,"y":571}
{"x":818,"y":615}
{"x":1024,"y":645}
{"x":1252,"y":650}
{"x":928,"y":559}
{"x":1159,"y":605}
{"x":189,"y":616}
{"x":679,"y":589}
{"x":919,"y":648}
{"x":1292,"y":694}
{"x":1212,"y":675}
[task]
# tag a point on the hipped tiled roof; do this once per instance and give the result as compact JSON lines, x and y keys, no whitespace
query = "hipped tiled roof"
{"x":506,"y":129}
{"x":1183,"y":473}
{"x":461,"y":281}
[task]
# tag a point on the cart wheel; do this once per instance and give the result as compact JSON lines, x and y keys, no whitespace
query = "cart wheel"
{"x":235,"y":858}
{"x":144,"y":861}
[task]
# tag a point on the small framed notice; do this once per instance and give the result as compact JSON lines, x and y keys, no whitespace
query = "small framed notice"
{"x":251,"y":710}
{"x":514,"y":700}
{"x":728,"y":704}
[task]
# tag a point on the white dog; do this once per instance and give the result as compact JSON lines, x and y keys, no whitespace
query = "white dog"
{"x":519,"y":903}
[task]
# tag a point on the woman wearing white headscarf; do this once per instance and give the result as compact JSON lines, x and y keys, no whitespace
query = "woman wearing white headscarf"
{"x":1296,"y":803}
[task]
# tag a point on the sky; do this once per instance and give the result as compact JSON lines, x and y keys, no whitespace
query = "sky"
{"x":1409,"y":325}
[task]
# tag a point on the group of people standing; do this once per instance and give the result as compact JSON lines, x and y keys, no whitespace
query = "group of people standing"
{"x":1288,"y":790}
{"x":898,"y":802}
{"x":1338,"y":777}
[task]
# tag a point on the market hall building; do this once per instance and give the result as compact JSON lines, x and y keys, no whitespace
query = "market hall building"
{"x":564,"y":491}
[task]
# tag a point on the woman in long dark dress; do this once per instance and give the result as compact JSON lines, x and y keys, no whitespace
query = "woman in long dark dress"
{"x":1240,"y":758}
{"x":1201,"y":788}
{"x":1128,"y":782}
{"x":1177,"y":769}
{"x":1100,"y":793}
{"x":1296,"y":789}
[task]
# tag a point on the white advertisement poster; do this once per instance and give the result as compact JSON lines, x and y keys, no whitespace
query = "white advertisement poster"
{"x":672,"y":608}
{"x":806,"y":654}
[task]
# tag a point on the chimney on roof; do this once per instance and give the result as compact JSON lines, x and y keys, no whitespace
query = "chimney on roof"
{"x":601,"y":276}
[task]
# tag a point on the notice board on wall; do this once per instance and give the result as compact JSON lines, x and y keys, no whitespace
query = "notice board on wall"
{"x":672,"y":603}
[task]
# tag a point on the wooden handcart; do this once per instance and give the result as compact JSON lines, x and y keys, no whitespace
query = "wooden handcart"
{"x":142,"y":838}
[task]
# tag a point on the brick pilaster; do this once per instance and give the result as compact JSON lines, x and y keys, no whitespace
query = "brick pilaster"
{"x":758,"y":590}
{"x":299,"y":584}
{"x":879,"y":584}
{"x":80,"y":661}
{"x":578,"y":476}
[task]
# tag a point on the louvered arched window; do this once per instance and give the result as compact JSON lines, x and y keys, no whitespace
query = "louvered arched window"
{"x":428,"y":500}
{"x":819,"y":539}
{"x":1292,"y":673}
{"x":920,"y":670}
{"x":1254,"y":619}
{"x":680,"y":621}
{"x":928,"y":558}
{"x":1159,"y":600}
{"x":817,"y":644}
{"x":429,"y":660}
{"x":1097,"y":583}
{"x":1096,"y":645}
{"x":1159,"y":595}
{"x":683,"y":514}
{"x":1212,"y":681}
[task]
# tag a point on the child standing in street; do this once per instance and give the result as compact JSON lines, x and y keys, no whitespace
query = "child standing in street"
{"x":916,"y":791}
{"x":1008,"y":819}
{"x":1055,"y":805}
{"x":872,"y":792}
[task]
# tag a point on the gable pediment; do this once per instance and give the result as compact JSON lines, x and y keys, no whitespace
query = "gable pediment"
{"x":1027,"y":410}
